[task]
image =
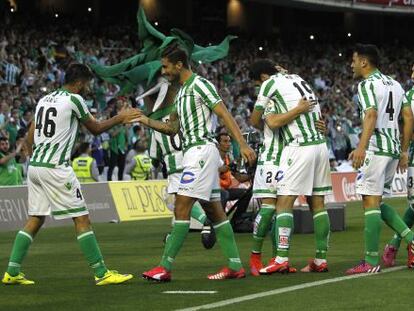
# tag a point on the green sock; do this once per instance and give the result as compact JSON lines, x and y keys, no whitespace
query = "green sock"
{"x":284,"y":223}
{"x":274,"y":234}
{"x":261,"y":226}
{"x":321,"y":226}
{"x":408,"y":218}
{"x":372,"y":234}
{"x":90,"y":248}
{"x":392,"y":219}
{"x":198,"y":213}
{"x":174,"y":243}
{"x":225,"y":238}
{"x":20,"y":247}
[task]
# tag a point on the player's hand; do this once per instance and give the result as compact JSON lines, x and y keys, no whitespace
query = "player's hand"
{"x":19,"y":148}
{"x":129,"y":115}
{"x":305,"y":106}
{"x":321,"y":126}
{"x":357,"y":156}
{"x":248,"y":154}
{"x":403,"y":163}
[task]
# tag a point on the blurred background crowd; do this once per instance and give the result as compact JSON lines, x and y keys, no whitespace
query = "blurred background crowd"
{"x":33,"y":61}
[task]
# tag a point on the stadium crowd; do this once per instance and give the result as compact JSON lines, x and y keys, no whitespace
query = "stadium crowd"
{"x":33,"y":62}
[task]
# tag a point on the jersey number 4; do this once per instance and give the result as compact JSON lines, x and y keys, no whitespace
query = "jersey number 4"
{"x":390,"y":108}
{"x":46,"y":123}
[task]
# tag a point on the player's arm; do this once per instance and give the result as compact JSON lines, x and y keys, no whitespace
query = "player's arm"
{"x":221,"y":111}
{"x":407,"y":133}
{"x":277,"y":120}
{"x":97,"y":127}
{"x":171,"y":128}
{"x":256,"y":118}
{"x":30,"y":139}
{"x":368,"y":104}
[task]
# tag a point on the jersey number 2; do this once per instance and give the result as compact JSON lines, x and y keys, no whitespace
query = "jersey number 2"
{"x":48,"y":125}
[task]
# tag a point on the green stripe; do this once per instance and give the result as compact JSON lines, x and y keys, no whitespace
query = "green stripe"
{"x":267,"y":87}
{"x":78,"y":105}
{"x":388,"y":139}
{"x":316,"y":142}
{"x":63,"y":155}
{"x":310,"y":127}
{"x":371,"y":87}
{"x":37,"y":151}
{"x":264,"y":191}
{"x":55,"y":148}
{"x":39,"y":164}
{"x":216,"y":190}
{"x":211,"y":89}
{"x":69,"y":211}
{"x":387,"y":154}
{"x":315,"y":118}
{"x":165,"y":143}
{"x":378,"y":139}
{"x":279,"y":152}
{"x":195,"y":117}
{"x":365,"y":95}
{"x":271,"y":148}
{"x":47,"y":146}
{"x":281,"y":101}
{"x":171,"y":163}
{"x":319,"y":189}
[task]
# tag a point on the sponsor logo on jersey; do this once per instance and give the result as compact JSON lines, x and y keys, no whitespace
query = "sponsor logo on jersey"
{"x":68,"y":185}
{"x":289,"y":162}
{"x":201,"y":162}
{"x":187,"y":177}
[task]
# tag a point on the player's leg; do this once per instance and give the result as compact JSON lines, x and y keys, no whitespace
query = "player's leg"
{"x":38,"y":208}
{"x":22,"y":242}
{"x":321,"y":225}
{"x":262,"y":224}
{"x":322,"y":185}
{"x":226,"y":240}
{"x":162,"y":273}
{"x":370,"y":184}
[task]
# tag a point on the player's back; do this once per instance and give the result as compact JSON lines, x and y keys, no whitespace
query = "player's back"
{"x":56,"y":125}
{"x":288,"y":90}
{"x":384,"y":94}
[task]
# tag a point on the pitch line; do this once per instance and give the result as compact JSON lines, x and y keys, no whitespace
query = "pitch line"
{"x":190,"y":292}
{"x":278,"y":291}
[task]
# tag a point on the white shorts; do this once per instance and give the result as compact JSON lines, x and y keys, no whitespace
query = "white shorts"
{"x":173,"y":182}
{"x":376,"y":175}
{"x":410,"y":185}
{"x":55,"y":191}
{"x":200,"y":177}
{"x":304,"y":170}
{"x":264,"y":184}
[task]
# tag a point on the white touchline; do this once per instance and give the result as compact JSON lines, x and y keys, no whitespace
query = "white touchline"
{"x":286,"y":289}
{"x":190,"y":292}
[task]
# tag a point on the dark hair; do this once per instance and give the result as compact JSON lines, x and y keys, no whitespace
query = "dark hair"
{"x":3,"y":138}
{"x":174,"y":53}
{"x":219,"y":136}
{"x":83,"y":147}
{"x":261,"y":66}
{"x":78,"y":72}
{"x":370,"y":52}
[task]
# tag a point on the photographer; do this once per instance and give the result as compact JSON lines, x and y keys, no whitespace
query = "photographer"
{"x":227,"y":171}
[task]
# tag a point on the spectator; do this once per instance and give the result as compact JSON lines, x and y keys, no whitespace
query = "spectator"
{"x":85,"y":166}
{"x":11,"y":173}
{"x":139,"y":164}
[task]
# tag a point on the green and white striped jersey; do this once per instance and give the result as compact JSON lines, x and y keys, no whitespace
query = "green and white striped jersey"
{"x":194,"y":103}
{"x":384,"y":94}
{"x":409,"y":101}
{"x":57,"y":119}
{"x":168,"y":148}
{"x":286,"y":90}
{"x":272,"y":147}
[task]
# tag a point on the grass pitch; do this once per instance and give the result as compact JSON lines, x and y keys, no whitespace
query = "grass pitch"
{"x":65,"y":282}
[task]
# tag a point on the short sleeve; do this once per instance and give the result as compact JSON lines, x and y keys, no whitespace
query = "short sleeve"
{"x":207,"y":92}
{"x":79,"y":107}
{"x":408,"y":99}
{"x":366,"y":95}
{"x":267,"y":90}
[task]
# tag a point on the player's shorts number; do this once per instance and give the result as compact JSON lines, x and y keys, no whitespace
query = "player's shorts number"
{"x":410,"y":182}
{"x":48,"y":125}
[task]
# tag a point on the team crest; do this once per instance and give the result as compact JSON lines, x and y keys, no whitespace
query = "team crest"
{"x":289,"y":162}
{"x":68,"y":185}
{"x":201,"y":162}
{"x":366,"y":161}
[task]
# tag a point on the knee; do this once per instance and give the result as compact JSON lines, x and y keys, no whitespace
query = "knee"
{"x":82,"y":222}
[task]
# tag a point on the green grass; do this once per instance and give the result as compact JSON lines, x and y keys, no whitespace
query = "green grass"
{"x":64,"y":281}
